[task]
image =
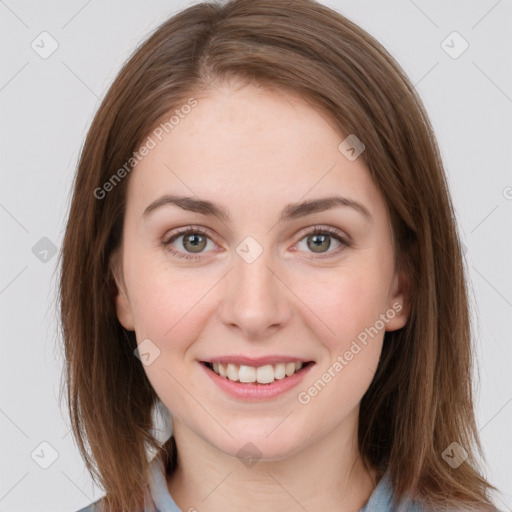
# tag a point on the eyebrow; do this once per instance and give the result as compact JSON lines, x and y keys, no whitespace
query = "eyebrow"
{"x":290,"y":212}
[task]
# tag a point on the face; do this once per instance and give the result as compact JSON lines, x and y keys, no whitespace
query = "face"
{"x":257,"y":281}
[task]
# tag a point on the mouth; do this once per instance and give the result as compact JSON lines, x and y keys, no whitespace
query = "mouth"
{"x":260,"y":375}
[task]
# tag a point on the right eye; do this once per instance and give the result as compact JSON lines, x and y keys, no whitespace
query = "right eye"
{"x":193,"y":238}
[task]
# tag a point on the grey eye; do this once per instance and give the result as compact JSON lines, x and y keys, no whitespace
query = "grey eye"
{"x":194,"y":242}
{"x":319,"y":243}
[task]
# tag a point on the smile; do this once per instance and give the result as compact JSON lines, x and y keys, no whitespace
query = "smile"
{"x":265,"y":374}
{"x":245,"y":382}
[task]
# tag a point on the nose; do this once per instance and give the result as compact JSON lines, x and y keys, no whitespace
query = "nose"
{"x":255,"y":300}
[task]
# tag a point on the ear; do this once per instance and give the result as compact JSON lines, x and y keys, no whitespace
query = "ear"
{"x":399,"y":305}
{"x":123,"y":307}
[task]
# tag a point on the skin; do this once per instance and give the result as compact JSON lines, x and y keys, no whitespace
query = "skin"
{"x":256,"y":150}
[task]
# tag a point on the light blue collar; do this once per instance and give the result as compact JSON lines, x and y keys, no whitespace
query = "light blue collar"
{"x":381,"y":500}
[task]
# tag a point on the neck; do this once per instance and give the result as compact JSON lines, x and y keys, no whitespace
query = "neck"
{"x":326,"y":475}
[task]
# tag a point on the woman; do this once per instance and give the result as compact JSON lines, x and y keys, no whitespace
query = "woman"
{"x":261,"y":239}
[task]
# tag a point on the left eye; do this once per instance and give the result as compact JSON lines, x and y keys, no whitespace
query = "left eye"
{"x":196,"y":240}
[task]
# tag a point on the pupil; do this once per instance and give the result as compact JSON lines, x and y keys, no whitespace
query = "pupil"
{"x":196,"y":241}
{"x":317,"y":242}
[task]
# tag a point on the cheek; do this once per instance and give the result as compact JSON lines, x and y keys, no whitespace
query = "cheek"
{"x":164,"y":307}
{"x":169,"y":303}
{"x":348,"y":308}
{"x":349,"y":302}
{"x":170,"y":310}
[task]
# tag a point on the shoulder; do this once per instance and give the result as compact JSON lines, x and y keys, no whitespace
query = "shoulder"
{"x":414,"y":507}
{"x":96,"y":506}
{"x":383,"y":500}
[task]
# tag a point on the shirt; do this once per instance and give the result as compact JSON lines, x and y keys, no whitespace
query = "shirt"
{"x":381,"y":499}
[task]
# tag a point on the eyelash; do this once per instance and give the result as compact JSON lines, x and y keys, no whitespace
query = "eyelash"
{"x":334,"y":233}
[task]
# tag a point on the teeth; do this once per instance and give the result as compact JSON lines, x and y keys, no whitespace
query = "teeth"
{"x":279,"y":371}
{"x":244,"y":373}
{"x":232,"y":372}
{"x":262,"y":374}
{"x":290,"y":369}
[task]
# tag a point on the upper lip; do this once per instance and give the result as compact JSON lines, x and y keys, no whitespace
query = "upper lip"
{"x":254,"y":361}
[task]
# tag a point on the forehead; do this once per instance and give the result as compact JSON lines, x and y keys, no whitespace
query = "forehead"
{"x":253,"y":145}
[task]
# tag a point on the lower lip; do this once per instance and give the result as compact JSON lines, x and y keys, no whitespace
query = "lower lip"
{"x":251,"y":391}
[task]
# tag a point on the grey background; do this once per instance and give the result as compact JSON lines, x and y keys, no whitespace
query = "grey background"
{"x":46,"y":108}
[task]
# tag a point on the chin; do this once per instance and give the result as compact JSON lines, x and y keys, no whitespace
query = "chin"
{"x":259,"y":446}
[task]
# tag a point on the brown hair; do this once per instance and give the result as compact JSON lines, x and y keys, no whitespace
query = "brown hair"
{"x":420,"y":400}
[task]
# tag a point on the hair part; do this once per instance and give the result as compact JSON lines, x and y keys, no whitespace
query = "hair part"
{"x":420,"y":400}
